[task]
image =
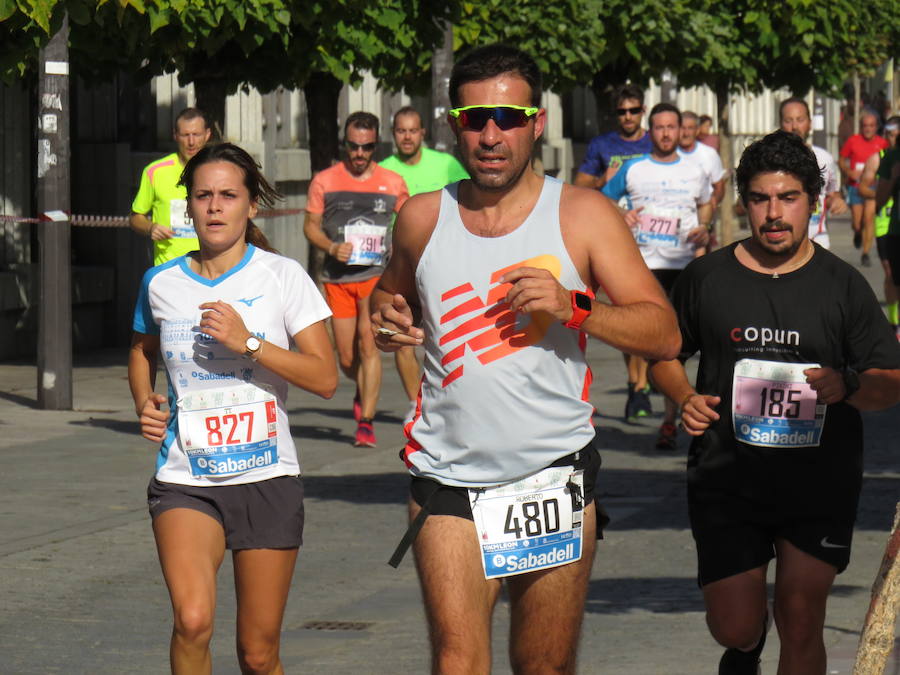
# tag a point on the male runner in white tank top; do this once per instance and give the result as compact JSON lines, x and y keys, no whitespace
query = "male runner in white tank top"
{"x":492,"y":275}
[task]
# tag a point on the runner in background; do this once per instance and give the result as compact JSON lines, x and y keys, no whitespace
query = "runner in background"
{"x":669,"y":211}
{"x":163,"y":198}
{"x":882,"y":218}
{"x":349,"y":215}
{"x":607,"y":152}
{"x":792,"y":346}
{"x":224,"y":319}
{"x":704,"y":133}
{"x":795,"y":119}
{"x":424,"y":170}
{"x":854,"y":153}
{"x":888,"y":190}
{"x":494,"y":277}
{"x":690,"y":148}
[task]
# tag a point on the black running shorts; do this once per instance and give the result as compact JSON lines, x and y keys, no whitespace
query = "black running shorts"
{"x":881,"y":246}
{"x":666,"y":278}
{"x":733,"y":538}
{"x":265,"y":514}
{"x":448,"y":500}
{"x":892,"y":251}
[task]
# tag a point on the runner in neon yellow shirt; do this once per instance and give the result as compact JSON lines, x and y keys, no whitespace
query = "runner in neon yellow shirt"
{"x":423,"y":169}
{"x":882,"y":219}
{"x":160,"y":195}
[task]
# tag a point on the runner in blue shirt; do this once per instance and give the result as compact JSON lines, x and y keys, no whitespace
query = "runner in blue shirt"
{"x":607,"y":152}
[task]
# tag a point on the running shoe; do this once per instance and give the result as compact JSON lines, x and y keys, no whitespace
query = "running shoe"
{"x":736,"y":662}
{"x":857,"y":240}
{"x":631,"y":405}
{"x":357,"y":407}
{"x":667,"y":437}
{"x":642,"y":402}
{"x":865,"y":261}
{"x":365,"y":435}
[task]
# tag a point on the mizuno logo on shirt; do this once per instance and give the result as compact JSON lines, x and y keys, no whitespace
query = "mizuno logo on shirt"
{"x":249,"y":301}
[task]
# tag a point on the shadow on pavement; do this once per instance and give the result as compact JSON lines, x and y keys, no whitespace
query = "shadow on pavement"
{"x":343,"y":413}
{"x":130,"y":427}
{"x":25,"y":401}
{"x":660,"y":595}
{"x":378,"y":488}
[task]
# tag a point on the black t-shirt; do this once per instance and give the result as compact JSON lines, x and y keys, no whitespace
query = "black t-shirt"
{"x":823,"y":313}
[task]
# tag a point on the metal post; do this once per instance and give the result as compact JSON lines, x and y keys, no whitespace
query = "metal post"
{"x":270,"y":135}
{"x":668,"y":88}
{"x":54,"y":352}
{"x":819,"y":121}
{"x":441,"y":65}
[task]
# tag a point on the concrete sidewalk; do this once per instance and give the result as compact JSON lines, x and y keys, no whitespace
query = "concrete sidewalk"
{"x":82,"y":591}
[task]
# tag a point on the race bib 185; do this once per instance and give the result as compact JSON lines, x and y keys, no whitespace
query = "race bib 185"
{"x":774,"y":407}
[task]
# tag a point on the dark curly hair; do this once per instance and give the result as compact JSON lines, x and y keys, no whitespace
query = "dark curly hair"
{"x":785,"y":152}
{"x":259,"y":188}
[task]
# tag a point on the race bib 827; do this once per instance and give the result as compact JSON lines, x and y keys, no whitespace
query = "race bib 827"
{"x":228,"y":430}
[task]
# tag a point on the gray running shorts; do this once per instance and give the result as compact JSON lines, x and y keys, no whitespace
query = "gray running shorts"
{"x":265,"y":514}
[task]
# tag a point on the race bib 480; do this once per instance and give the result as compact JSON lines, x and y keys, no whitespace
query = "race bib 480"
{"x":532,"y":524}
{"x":774,"y":407}
{"x":228,"y":430}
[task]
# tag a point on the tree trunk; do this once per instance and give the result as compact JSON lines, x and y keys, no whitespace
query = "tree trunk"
{"x":322,"y":92}
{"x":210,"y":95}
{"x":727,"y":217}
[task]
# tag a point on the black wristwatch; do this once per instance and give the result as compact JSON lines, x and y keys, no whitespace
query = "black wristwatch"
{"x":851,"y":382}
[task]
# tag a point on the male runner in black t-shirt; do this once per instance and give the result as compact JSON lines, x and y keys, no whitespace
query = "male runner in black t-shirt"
{"x":793,"y":344}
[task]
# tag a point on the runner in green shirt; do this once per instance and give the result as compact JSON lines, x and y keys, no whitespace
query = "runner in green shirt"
{"x":888,"y":190}
{"x":423,"y":169}
{"x":160,"y":195}
{"x":882,"y":217}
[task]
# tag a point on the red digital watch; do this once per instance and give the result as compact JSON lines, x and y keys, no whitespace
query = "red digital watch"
{"x":581,"y":309}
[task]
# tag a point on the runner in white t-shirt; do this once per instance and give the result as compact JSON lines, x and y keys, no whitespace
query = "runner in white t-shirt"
{"x":227,"y":477}
{"x":669,"y":213}
{"x":703,"y":154}
{"x":795,"y":119}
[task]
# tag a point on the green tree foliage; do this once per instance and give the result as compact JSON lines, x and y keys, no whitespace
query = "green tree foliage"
{"x":567,"y":38}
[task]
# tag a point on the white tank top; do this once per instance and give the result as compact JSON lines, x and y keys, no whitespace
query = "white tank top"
{"x":503,"y":395}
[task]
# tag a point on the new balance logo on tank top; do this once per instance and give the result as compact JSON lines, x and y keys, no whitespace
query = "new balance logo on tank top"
{"x":276,"y":299}
{"x":503,"y":394}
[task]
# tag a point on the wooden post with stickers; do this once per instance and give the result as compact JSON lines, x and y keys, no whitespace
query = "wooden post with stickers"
{"x":54,"y":349}
{"x":877,"y":638}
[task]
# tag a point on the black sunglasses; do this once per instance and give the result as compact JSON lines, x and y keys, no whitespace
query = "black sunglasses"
{"x":633,"y":111}
{"x":506,"y":117}
{"x":365,"y":147}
